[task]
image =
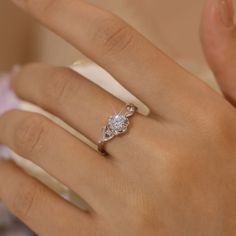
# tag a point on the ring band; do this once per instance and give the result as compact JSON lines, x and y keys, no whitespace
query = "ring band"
{"x":117,"y":124}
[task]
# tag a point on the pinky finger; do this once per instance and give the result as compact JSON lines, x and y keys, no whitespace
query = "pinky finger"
{"x":40,"y":208}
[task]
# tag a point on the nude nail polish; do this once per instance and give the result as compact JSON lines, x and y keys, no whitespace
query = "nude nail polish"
{"x":227,"y":13}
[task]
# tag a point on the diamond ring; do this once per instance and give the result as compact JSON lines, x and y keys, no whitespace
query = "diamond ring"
{"x":117,"y":124}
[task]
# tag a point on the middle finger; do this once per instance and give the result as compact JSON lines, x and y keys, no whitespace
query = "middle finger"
{"x":59,"y":153}
{"x":165,"y":87}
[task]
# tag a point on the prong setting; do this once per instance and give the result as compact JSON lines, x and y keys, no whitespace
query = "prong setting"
{"x":117,"y":124}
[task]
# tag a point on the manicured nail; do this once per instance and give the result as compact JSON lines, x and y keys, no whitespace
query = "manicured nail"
{"x":227,"y":13}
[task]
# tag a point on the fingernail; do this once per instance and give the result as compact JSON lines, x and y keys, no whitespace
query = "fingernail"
{"x":227,"y":13}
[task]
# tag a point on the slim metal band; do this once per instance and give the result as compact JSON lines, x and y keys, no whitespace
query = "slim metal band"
{"x":117,"y":124}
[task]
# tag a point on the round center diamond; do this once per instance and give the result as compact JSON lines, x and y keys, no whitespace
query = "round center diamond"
{"x":118,"y":122}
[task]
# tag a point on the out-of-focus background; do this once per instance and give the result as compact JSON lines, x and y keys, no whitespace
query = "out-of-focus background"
{"x":171,"y":25}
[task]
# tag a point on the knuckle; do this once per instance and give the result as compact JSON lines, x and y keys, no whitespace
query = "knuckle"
{"x":61,"y":87}
{"x":25,"y":200}
{"x":30,"y":135}
{"x":113,"y":35}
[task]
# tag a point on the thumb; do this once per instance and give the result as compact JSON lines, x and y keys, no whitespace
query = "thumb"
{"x":218,"y":36}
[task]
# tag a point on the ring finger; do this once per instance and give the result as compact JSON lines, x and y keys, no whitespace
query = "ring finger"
{"x":80,"y":103}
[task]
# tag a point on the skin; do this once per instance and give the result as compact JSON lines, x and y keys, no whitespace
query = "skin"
{"x":172,"y":174}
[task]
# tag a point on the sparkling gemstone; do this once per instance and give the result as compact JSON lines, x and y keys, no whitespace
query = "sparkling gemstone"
{"x":118,"y":122}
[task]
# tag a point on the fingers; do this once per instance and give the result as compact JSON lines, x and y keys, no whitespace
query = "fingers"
{"x":77,"y":101}
{"x":59,"y":153}
{"x":127,"y":55}
{"x":218,"y":34}
{"x":40,"y":208}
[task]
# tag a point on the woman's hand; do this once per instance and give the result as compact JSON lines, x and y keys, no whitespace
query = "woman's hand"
{"x":172,"y":174}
